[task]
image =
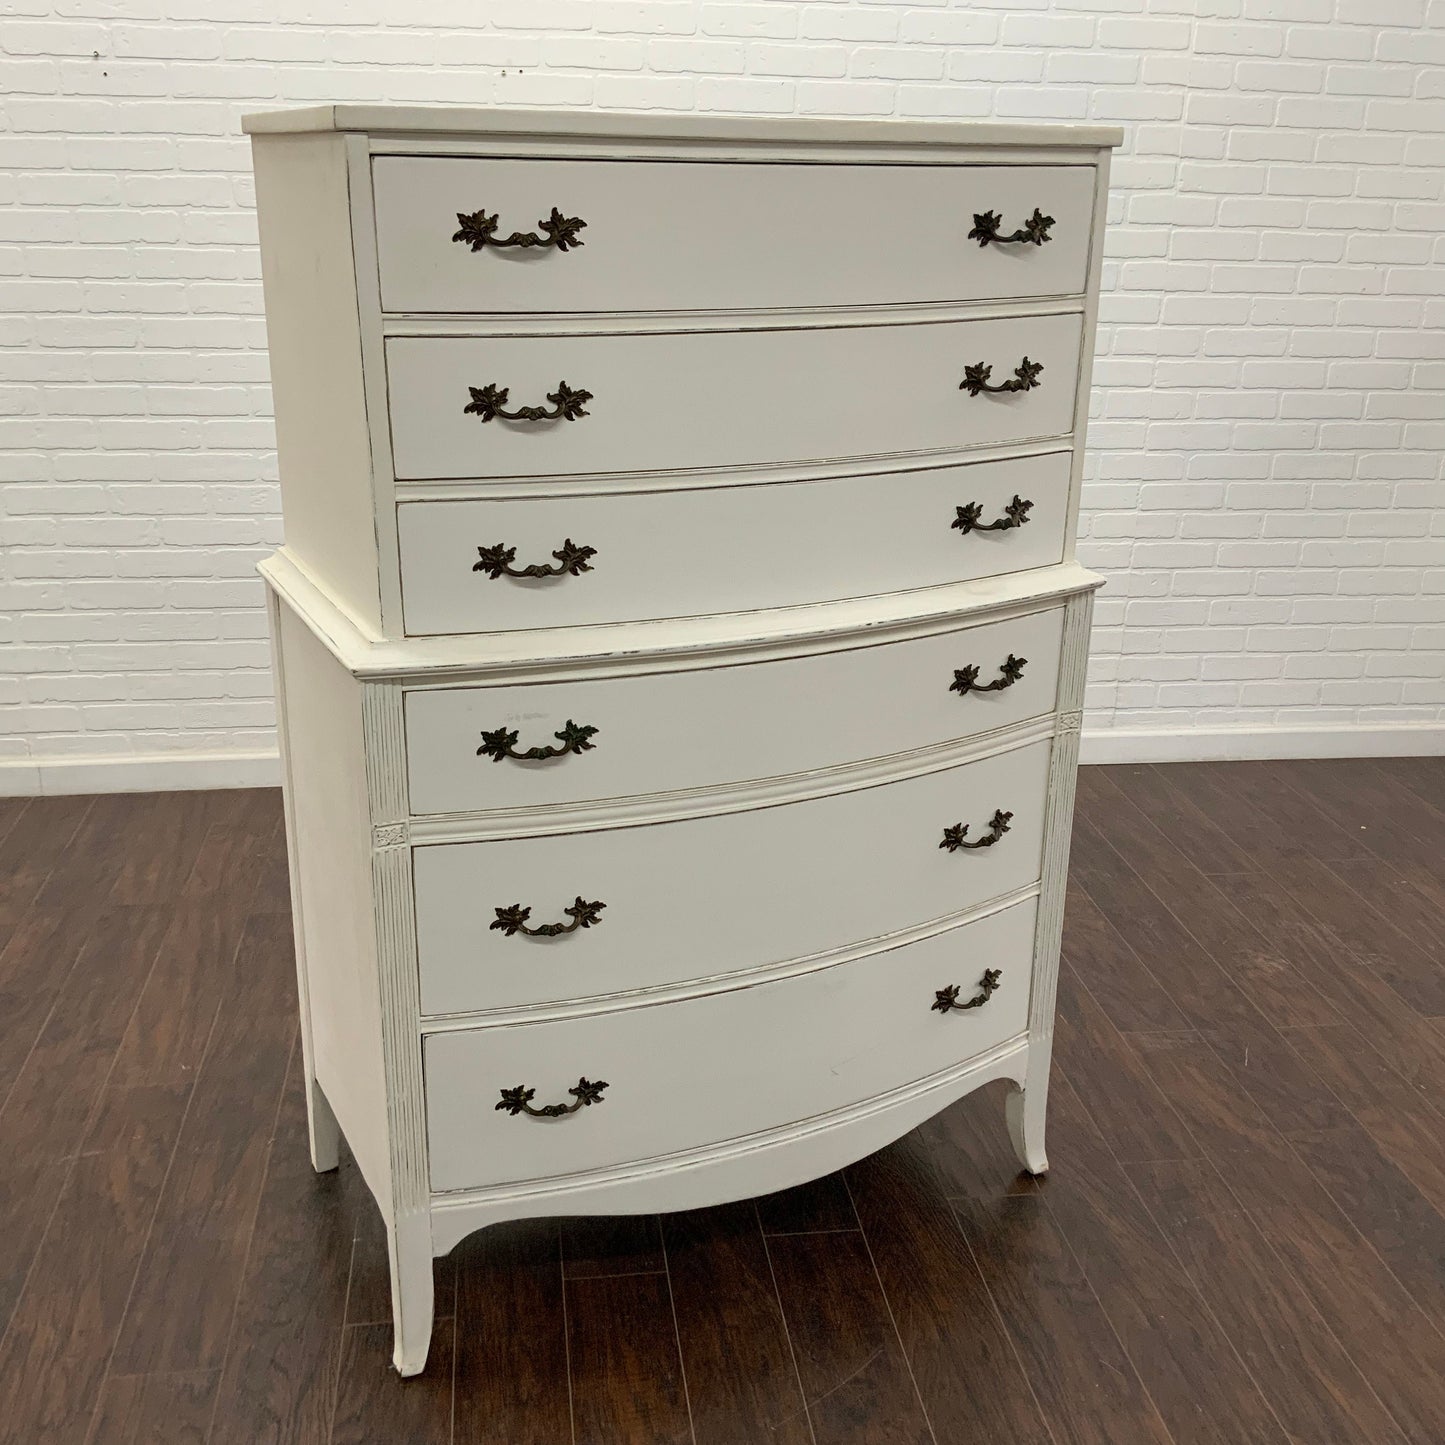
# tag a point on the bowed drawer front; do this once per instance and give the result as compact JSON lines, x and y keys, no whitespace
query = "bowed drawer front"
{"x":481,"y":235}
{"x":680,"y":648}
{"x":669,"y":401}
{"x":682,"y":1075}
{"x":688,"y":552}
{"x":467,"y":746}
{"x":715,"y":895}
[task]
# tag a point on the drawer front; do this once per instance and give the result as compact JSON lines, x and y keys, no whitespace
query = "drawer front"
{"x":710,"y":236}
{"x":696,"y":1072}
{"x":706,"y":896}
{"x":727,"y":549}
{"x":666,"y":400}
{"x":722,"y":725}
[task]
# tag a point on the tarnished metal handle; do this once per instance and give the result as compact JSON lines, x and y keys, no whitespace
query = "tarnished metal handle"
{"x":946,"y":999}
{"x":965,"y":679}
{"x":574,"y":738}
{"x":519,"y":1100}
{"x":478,"y":229}
{"x":572,"y":561}
{"x":955,"y":837}
{"x":1034,"y":231}
{"x":490,"y":402}
{"x":1014,"y":515}
{"x":976,"y":378}
{"x":513,"y":919}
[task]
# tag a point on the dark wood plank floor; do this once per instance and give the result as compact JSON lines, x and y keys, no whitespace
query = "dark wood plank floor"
{"x":1241,"y":1240}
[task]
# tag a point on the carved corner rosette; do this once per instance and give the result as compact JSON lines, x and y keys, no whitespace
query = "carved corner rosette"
{"x":390,"y":835}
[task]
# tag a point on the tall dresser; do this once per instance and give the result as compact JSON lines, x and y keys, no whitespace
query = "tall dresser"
{"x":679,"y":645}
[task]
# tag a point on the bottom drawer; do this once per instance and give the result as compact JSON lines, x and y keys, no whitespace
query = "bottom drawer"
{"x":702,"y":1070}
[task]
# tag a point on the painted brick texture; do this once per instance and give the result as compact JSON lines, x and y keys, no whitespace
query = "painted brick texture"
{"x":1266,"y":486}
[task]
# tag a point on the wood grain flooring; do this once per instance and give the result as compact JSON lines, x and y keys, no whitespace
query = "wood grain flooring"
{"x":1241,"y":1242}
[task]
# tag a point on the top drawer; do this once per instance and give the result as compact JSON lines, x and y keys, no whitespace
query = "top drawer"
{"x":668,"y":235}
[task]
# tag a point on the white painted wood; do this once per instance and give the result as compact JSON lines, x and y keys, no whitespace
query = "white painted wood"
{"x":715,"y":725}
{"x":626,"y":649}
{"x":724,"y":398}
{"x":329,"y":839}
{"x":757,"y":1164}
{"x":714,"y":895}
{"x":1086,"y":353}
{"x":668,"y":236}
{"x":476,"y":124}
{"x":1026,"y":1110}
{"x":766,"y":645}
{"x":731,"y":548}
{"x":313,"y":333}
{"x":323,"y":1131}
{"x":822,"y":1041}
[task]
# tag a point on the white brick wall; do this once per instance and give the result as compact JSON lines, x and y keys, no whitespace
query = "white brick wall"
{"x":1266,"y":488}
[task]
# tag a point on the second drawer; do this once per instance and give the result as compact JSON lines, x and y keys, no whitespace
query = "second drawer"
{"x":662,"y":401}
{"x":705,"y":896}
{"x":716,"y":726}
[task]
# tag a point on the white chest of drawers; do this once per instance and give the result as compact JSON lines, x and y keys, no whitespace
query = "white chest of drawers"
{"x":679,"y":644}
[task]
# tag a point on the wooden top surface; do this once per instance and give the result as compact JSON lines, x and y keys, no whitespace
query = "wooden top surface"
{"x":454,"y":120}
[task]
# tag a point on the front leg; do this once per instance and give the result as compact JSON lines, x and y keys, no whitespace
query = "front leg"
{"x":409,"y":1248}
{"x":1025,"y":1109}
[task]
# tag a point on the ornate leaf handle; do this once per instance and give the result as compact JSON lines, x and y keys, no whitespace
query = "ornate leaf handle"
{"x":976,"y":378}
{"x":519,"y":1100}
{"x":1034,"y":231}
{"x":572,"y":561}
{"x":479,"y":229}
{"x":1016,"y":514}
{"x":965,"y":679}
{"x":946,"y":999}
{"x":490,"y":401}
{"x":953,"y":838}
{"x":574,"y":738}
{"x":513,"y":919}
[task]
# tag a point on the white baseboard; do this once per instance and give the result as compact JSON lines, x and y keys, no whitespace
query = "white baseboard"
{"x":1215,"y":745}
{"x":154,"y":773}
{"x":173,"y":772}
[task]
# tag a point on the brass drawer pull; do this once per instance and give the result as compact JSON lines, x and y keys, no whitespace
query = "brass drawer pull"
{"x":1034,"y":231}
{"x":1014,"y":515}
{"x":976,"y":378}
{"x":574,"y":738}
{"x":953,"y":838}
{"x":519,"y":1100}
{"x":513,"y":919}
{"x":572,"y":561}
{"x":490,"y":401}
{"x":479,"y":229}
{"x":965,"y":679}
{"x":947,"y":998}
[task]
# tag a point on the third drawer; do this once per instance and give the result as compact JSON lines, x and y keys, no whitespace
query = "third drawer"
{"x":715,"y":726}
{"x":693,"y":551}
{"x":701,"y":897}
